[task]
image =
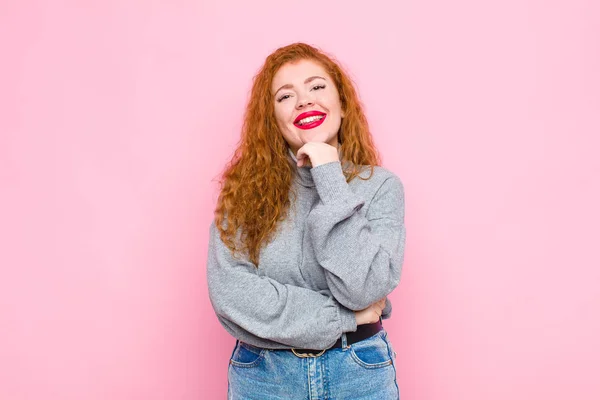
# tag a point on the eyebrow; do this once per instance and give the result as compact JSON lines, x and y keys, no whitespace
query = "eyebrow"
{"x":308,"y":80}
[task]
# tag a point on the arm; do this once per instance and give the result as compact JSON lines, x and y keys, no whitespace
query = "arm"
{"x":362,"y":254}
{"x":249,"y":305}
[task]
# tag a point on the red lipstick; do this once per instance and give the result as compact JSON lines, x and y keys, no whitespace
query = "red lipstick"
{"x":312,"y":124}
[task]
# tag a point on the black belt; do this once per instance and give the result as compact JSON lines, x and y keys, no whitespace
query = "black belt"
{"x":362,"y":332}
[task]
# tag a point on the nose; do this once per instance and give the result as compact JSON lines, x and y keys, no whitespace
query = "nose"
{"x":304,"y":102}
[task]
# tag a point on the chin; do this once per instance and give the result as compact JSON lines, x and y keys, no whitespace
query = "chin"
{"x":315,"y":137}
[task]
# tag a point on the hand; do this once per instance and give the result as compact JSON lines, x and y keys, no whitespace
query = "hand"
{"x":370,"y":314}
{"x":317,"y":153}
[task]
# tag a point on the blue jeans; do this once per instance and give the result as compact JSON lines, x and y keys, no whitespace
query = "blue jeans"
{"x":362,"y":370}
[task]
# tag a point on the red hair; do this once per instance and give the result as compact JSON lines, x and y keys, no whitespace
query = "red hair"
{"x":255,"y":185}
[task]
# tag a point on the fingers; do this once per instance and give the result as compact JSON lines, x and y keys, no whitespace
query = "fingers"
{"x":302,"y":160}
{"x":379,"y":306}
{"x":317,"y":153}
{"x":378,"y":311}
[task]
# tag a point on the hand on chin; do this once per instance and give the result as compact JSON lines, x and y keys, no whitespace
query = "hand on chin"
{"x":314,"y":154}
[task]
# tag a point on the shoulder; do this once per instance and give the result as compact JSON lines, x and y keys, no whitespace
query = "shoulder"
{"x":383,"y":192}
{"x":380,"y":177}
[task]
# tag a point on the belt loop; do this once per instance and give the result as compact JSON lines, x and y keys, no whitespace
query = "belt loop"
{"x":344,"y":341}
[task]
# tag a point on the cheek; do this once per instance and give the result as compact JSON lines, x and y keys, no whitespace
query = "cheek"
{"x":332,"y":102}
{"x":278,"y":118}
{"x":282,"y":115}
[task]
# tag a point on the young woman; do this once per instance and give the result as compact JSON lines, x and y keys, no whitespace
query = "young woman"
{"x":307,"y":241}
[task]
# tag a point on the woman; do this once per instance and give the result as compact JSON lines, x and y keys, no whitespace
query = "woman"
{"x":308,"y":240}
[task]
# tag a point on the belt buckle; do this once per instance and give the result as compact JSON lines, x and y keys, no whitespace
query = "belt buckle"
{"x":305,"y":355}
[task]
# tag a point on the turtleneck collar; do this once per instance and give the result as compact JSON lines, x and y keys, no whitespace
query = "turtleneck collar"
{"x":303,"y":174}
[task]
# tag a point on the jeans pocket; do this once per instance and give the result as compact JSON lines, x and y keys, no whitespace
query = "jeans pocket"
{"x":246,"y":355}
{"x":372,"y":352}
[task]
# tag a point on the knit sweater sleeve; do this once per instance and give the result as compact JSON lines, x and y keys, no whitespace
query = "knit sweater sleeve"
{"x":252,"y":306}
{"x":362,"y":253}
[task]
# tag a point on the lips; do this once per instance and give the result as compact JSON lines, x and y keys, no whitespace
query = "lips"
{"x":311,"y":124}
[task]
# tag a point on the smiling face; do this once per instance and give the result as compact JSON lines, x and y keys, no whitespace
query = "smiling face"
{"x":307,"y":104}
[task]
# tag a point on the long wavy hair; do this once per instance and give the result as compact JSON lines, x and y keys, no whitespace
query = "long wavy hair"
{"x":255,"y":185}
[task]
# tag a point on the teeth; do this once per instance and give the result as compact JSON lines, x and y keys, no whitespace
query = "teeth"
{"x":310,"y":119}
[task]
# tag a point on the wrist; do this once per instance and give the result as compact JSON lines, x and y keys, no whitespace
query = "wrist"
{"x":358,"y":318}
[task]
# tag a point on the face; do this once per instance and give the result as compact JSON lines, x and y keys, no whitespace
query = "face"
{"x":307,"y":104}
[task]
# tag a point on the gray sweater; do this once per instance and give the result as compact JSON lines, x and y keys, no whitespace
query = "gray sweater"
{"x":340,"y":249}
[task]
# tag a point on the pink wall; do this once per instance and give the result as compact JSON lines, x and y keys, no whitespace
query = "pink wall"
{"x":115,"y":116}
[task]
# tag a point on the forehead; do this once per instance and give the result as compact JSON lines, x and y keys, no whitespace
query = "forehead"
{"x":297,"y":72}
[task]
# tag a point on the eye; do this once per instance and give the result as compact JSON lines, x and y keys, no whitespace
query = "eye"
{"x":318,"y":87}
{"x":285,"y":96}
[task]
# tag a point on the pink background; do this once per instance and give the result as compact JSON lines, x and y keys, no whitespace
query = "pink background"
{"x":117,"y":116}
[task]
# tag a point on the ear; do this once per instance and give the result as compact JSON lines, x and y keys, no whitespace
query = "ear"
{"x":343,"y":114}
